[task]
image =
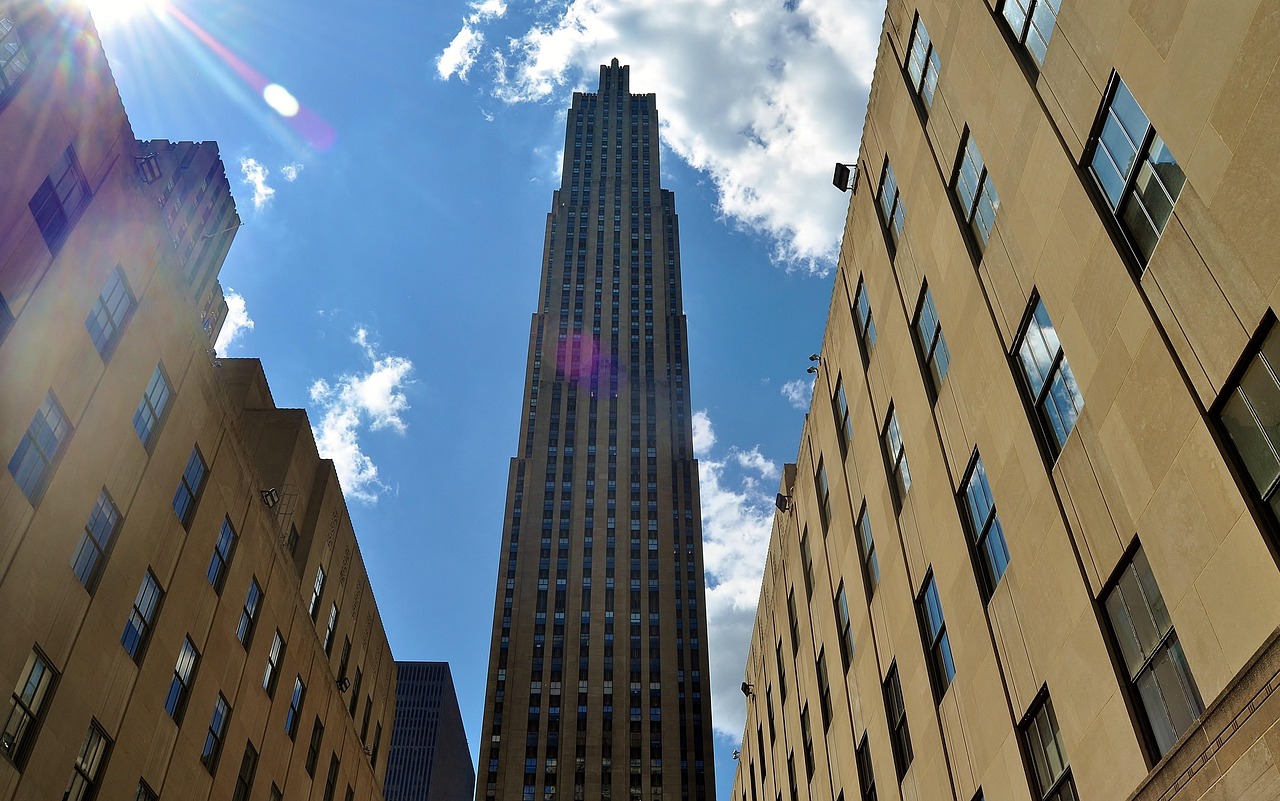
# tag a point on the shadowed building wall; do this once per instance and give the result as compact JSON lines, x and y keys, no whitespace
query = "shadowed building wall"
{"x":429,"y":758}
{"x":186,"y":612}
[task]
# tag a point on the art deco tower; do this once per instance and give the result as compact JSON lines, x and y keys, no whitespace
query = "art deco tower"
{"x":598,"y":684}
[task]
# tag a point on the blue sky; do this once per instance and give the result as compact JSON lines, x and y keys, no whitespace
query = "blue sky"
{"x":388,"y":264}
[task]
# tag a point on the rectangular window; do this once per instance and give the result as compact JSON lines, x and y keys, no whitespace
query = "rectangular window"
{"x":184,"y":673}
{"x":1153,"y":658}
{"x":14,"y":55}
{"x":1251,"y":418}
{"x":933,"y":627}
{"x":791,"y":776}
{"x":189,"y":488}
{"x":145,"y":793}
{"x":40,"y":448}
{"x":845,"y":625}
{"x":222,"y":550}
{"x":768,"y":697}
{"x":61,"y":198}
{"x":377,"y":741}
{"x":844,"y":421}
{"x":988,"y":534}
{"x":331,"y":781}
{"x":1139,"y":177}
{"x":862,"y":321}
{"x":933,"y":345}
{"x":271,"y":676}
{"x":313,"y":749}
{"x":249,"y":614}
{"x":782,"y":673}
{"x":866,"y":776}
{"x":824,"y":494}
{"x":99,"y":532}
{"x":244,"y":779}
{"x":26,"y":708}
{"x":6,"y":319}
{"x":922,"y":63}
{"x":217,"y":731}
{"x":899,"y":734}
{"x":1047,"y":755}
{"x":137,"y":629}
{"x":368,"y":711}
{"x":806,"y":562}
{"x":1047,"y":378}
{"x":152,"y":407}
{"x":355,"y":693}
{"x":89,"y":763}
{"x":892,"y":213}
{"x":110,"y":312}
{"x":806,"y":733}
{"x":824,"y":691}
{"x":867,"y":552}
{"x":276,"y":793}
{"x":977,"y":195}
{"x":794,"y":621}
{"x":295,"y":708}
{"x":314,"y":607}
{"x":330,"y":629}
{"x":896,"y":455}
{"x":1032,"y":22}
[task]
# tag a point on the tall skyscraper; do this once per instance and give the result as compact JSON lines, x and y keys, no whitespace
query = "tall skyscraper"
{"x":428,"y":760}
{"x":598,"y":685}
{"x":1032,"y":546}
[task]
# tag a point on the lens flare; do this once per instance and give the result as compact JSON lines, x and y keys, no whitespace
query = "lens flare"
{"x":110,"y":13}
{"x":285,"y":104}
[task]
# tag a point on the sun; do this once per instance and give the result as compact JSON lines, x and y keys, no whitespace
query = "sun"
{"x":109,"y":13}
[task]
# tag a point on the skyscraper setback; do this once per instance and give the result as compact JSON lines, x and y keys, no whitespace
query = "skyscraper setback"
{"x":597,"y":665}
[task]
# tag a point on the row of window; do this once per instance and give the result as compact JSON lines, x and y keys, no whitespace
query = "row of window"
{"x":33,"y":461}
{"x":1130,"y":163}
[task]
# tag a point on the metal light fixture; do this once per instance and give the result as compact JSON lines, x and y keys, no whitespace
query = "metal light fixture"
{"x":783,"y":502}
{"x":812,"y":369}
{"x":749,"y":689}
{"x":270,"y":497}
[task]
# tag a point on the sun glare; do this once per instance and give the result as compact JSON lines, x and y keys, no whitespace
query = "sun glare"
{"x":109,"y":13}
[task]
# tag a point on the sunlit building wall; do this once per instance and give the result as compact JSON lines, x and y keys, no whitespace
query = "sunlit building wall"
{"x":598,"y":685}
{"x":186,"y":612}
{"x":1028,"y":549}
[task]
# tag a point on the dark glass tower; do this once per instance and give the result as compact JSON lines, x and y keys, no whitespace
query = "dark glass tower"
{"x":598,"y":683}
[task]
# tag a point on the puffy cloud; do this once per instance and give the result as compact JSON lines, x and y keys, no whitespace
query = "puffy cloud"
{"x":372,"y":399}
{"x":237,"y":322}
{"x":737,"y":519}
{"x":762,"y":96}
{"x":460,"y":55}
{"x":798,"y":393}
{"x":291,"y":171}
{"x":255,"y":175}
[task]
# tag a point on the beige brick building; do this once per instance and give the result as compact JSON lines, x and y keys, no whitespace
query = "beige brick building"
{"x":1029,"y":546}
{"x":185,"y":610}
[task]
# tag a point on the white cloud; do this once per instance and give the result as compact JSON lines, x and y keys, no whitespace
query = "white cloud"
{"x":374,"y":399}
{"x":291,"y":171}
{"x":255,"y":175}
{"x":737,"y":519}
{"x":460,"y":55}
{"x":798,"y":393}
{"x":762,"y":96}
{"x":237,"y":321}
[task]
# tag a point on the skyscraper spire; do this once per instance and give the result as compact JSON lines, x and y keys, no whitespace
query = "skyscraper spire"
{"x":598,"y":684}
